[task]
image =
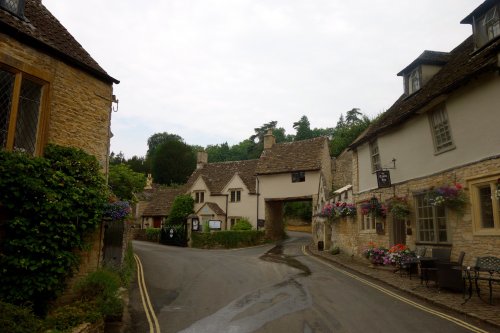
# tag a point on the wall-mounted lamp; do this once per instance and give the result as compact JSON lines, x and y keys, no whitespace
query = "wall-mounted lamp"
{"x":114,"y":101}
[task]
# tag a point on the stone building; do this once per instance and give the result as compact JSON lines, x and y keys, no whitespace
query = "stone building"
{"x":442,"y":132}
{"x":51,"y":91}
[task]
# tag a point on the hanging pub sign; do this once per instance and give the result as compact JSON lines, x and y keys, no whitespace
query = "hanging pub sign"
{"x":383,"y":178}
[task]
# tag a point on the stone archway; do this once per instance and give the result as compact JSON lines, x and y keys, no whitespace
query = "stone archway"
{"x":274,"y":226}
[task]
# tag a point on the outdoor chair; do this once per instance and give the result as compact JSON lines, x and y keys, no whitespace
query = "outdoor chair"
{"x":449,"y":274}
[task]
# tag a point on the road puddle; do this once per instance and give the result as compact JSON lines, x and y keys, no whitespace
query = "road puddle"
{"x":276,"y":255}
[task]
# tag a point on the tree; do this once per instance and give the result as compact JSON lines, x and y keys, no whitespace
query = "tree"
{"x":138,"y":164}
{"x":124,"y":182}
{"x":182,"y":206}
{"x":116,"y":158}
{"x":158,"y":138}
{"x":172,"y":162}
{"x":303,"y":129}
{"x":347,"y":131}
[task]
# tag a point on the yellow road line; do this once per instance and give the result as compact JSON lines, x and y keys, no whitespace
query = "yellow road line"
{"x":457,"y":321}
{"x":146,"y":303}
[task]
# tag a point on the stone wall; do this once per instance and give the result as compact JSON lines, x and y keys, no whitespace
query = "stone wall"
{"x":78,"y":109}
{"x":342,"y":169}
{"x":462,"y":237}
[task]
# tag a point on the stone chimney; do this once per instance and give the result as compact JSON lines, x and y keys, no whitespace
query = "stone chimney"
{"x":201,"y":159}
{"x":269,"y":139}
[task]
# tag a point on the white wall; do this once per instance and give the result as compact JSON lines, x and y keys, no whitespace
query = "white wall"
{"x":247,"y":207}
{"x":474,"y":117}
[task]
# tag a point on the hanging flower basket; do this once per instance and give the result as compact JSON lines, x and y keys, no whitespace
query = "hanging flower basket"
{"x":345,"y":209}
{"x":374,"y":207}
{"x":399,"y":208}
{"x":328,"y":211}
{"x":116,"y":211}
{"x":451,"y":196}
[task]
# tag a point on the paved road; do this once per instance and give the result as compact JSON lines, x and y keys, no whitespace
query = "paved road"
{"x":214,"y":291}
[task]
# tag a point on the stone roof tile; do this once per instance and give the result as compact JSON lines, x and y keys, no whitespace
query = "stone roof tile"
{"x":161,"y":201}
{"x":41,"y":30}
{"x":302,"y":155}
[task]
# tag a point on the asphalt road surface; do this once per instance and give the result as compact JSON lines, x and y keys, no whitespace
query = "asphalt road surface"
{"x":269,"y":289}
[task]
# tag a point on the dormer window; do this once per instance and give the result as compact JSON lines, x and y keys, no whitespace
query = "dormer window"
{"x":414,"y":80}
{"x":485,"y":21}
{"x":16,"y":7}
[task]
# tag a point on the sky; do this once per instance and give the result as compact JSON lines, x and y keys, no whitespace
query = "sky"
{"x":211,"y":71}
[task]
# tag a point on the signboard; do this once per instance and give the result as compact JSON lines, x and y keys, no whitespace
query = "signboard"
{"x":214,"y":224}
{"x":195,"y":224}
{"x":383,"y":178}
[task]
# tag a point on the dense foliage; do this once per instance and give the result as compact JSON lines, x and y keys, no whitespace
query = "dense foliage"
{"x":124,"y":182}
{"x":228,"y":239}
{"x":51,"y":203}
{"x":182,"y":206}
{"x":242,"y":224}
{"x":300,"y":209}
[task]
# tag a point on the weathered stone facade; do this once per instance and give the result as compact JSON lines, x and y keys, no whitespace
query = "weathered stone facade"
{"x":342,"y":169}
{"x":351,"y":239}
{"x":77,"y":111}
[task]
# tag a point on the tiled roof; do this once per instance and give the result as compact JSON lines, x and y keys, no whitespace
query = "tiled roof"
{"x":427,"y":58}
{"x":302,"y":155}
{"x":217,"y":175}
{"x":214,"y":207}
{"x":161,"y":202}
{"x":41,"y":30}
{"x":464,"y":64}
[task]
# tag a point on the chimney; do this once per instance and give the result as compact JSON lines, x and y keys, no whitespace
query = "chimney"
{"x":201,"y":159}
{"x":269,"y":139}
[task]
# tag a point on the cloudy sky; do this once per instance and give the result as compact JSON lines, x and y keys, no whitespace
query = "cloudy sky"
{"x":213,"y":70}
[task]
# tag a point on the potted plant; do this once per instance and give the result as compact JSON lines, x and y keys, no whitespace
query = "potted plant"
{"x":451,"y":196}
{"x":399,"y":208}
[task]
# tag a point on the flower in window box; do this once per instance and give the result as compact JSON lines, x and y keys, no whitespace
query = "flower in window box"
{"x":328,"y":211}
{"x":345,"y":209}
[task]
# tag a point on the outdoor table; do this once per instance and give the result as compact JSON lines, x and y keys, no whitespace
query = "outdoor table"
{"x":427,"y":265}
{"x":486,"y":269}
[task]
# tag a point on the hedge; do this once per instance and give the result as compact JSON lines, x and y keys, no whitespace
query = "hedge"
{"x":227,"y":239}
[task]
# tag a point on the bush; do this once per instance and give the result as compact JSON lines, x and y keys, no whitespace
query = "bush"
{"x":228,"y":239}
{"x":66,"y":317}
{"x":51,"y":204}
{"x":128,"y":269}
{"x":16,"y":319}
{"x":102,"y":287}
{"x":153,"y":234}
{"x":242,"y":224}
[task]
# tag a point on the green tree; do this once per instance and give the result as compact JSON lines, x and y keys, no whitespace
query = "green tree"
{"x":124,"y":182}
{"x":348,"y":130}
{"x":138,"y":164}
{"x":303,"y":129}
{"x":157,"y":139}
{"x":172,"y":162}
{"x":182,"y":206}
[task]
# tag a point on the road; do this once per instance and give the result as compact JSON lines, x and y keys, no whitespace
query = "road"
{"x":267,"y":289}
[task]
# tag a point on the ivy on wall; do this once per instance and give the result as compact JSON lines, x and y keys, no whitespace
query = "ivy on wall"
{"x":49,"y":205}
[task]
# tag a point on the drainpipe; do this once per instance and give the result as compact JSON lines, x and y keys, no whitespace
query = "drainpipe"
{"x":227,"y":207}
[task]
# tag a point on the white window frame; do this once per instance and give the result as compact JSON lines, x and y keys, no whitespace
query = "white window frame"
{"x":414,"y":80}
{"x":369,"y":223}
{"x":477,"y":207}
{"x":441,"y":130}
{"x":375,"y":156}
{"x":427,"y":214}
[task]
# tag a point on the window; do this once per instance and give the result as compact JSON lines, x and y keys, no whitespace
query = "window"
{"x":431,"y":221}
{"x":234,"y":220}
{"x":375,"y":156}
{"x":485,"y":195}
{"x":491,"y":23}
{"x":414,"y":82}
{"x":369,"y":222}
{"x":298,"y":177}
{"x":199,"y":197}
{"x":441,"y":131}
{"x":20,"y":108}
{"x":16,"y":7}
{"x":235,"y":195}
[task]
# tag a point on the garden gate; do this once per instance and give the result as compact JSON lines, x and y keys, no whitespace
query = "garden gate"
{"x":174,"y":234}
